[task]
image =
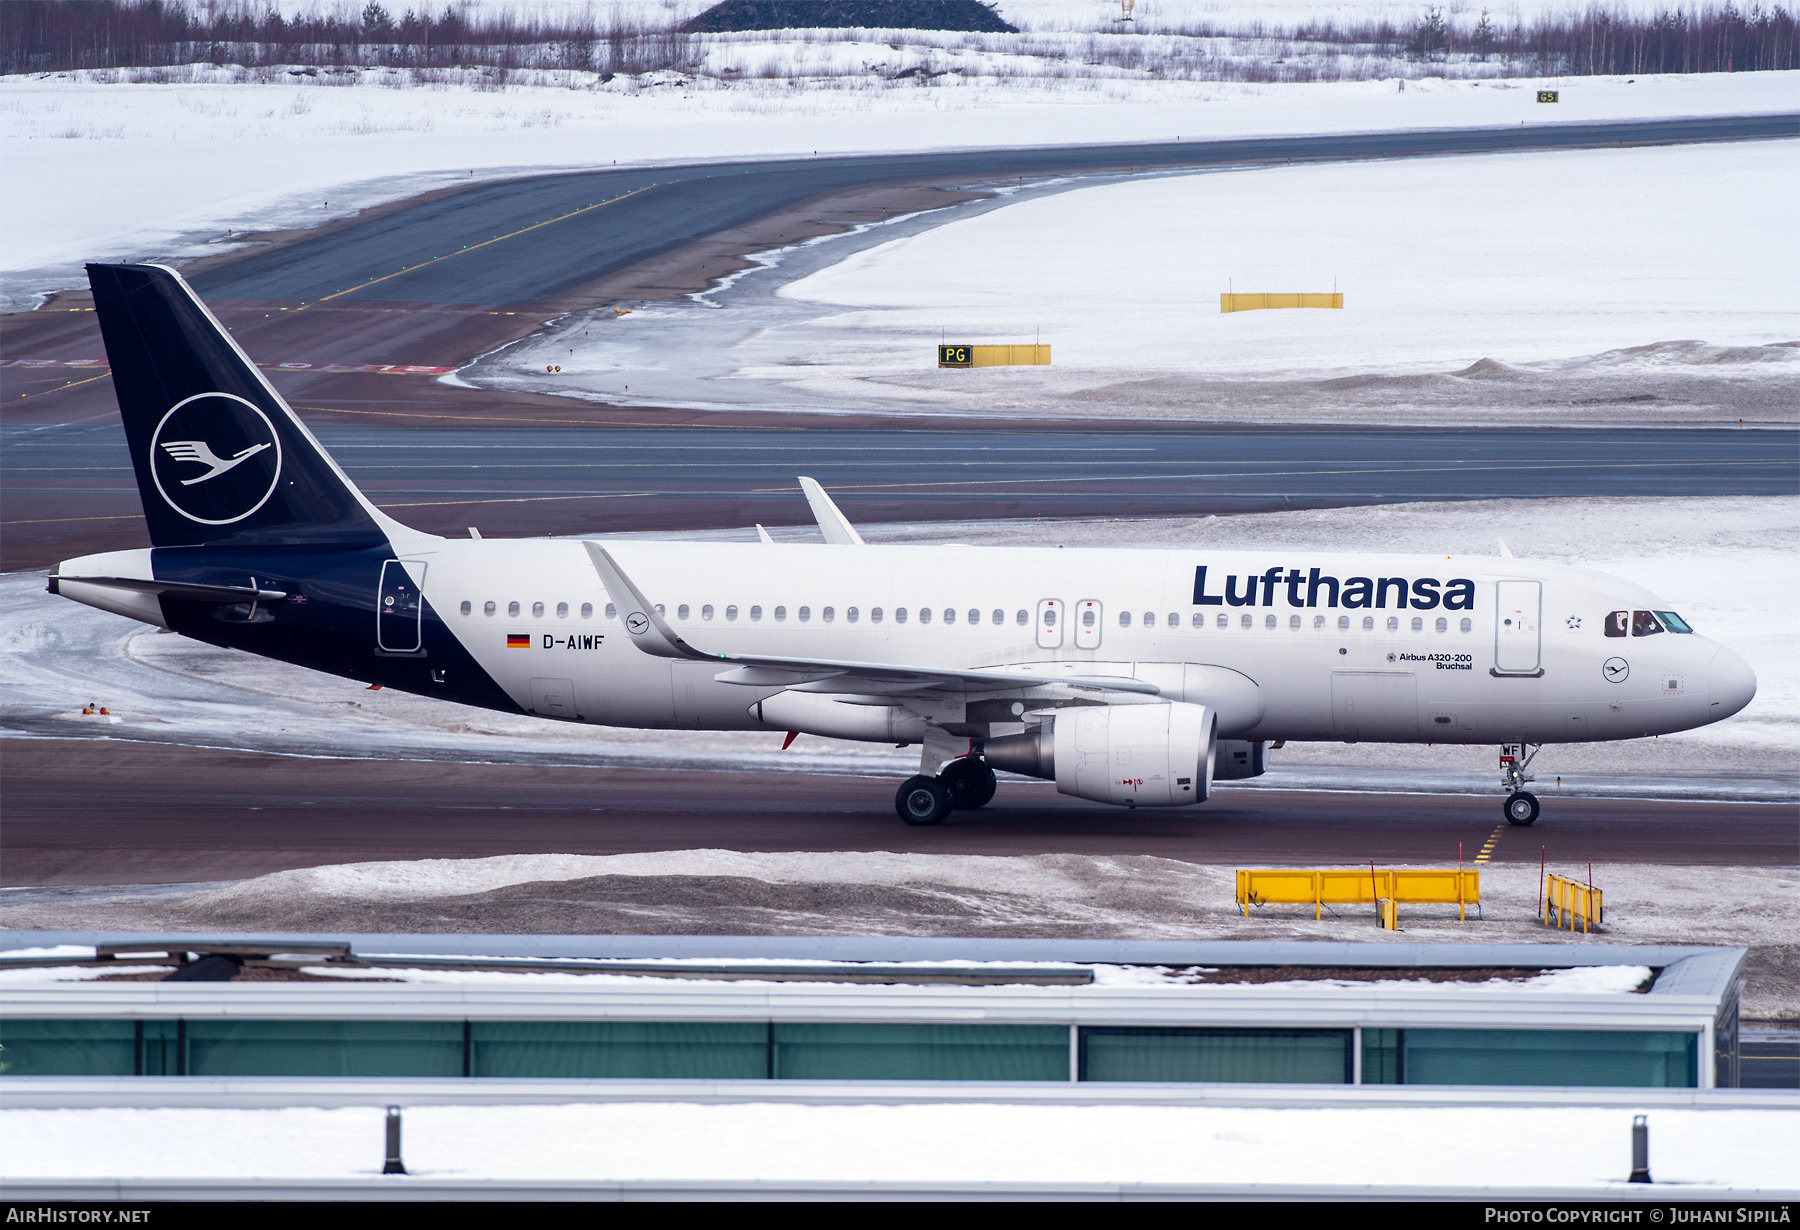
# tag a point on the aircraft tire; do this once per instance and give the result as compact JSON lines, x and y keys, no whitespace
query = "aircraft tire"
{"x":969,"y":782}
{"x":1521,"y":808}
{"x":922,"y":801}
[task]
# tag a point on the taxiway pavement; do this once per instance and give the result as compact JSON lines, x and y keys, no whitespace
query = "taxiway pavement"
{"x":91,"y":811}
{"x":69,"y":490}
{"x":440,"y":244}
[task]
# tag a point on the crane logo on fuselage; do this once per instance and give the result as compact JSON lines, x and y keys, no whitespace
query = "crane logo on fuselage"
{"x":1311,"y":589}
{"x":237,"y":452}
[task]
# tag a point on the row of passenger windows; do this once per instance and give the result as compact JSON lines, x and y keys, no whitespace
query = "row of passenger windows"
{"x":828,"y":614}
{"x":949,"y":615}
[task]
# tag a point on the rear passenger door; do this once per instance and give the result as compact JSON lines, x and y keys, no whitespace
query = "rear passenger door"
{"x":400,"y":607}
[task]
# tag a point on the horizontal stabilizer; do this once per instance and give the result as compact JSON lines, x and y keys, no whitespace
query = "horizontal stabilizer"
{"x":177,"y":589}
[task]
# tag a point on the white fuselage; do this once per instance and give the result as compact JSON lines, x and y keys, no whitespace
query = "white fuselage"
{"x":1524,"y":659}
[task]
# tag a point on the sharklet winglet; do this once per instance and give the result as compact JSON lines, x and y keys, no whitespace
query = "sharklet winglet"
{"x":832,"y":523}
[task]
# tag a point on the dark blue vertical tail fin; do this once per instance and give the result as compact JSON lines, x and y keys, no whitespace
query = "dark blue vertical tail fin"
{"x":218,"y":453}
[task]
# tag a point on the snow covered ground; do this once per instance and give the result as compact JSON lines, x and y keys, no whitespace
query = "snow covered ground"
{"x":1725,"y":563}
{"x":1535,"y":287}
{"x":1571,"y":1146}
{"x":880,"y":893}
{"x":102,"y":168}
{"x":1578,"y":980}
{"x":714,"y":892}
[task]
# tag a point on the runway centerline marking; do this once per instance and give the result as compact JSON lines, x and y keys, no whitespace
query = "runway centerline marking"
{"x":53,"y":520}
{"x":483,"y":244}
{"x":59,"y":388}
{"x":1460,"y":469}
{"x":509,"y":419}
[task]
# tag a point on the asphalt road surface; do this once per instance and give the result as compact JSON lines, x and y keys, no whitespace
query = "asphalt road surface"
{"x":69,"y":488}
{"x":654,"y":210}
{"x":105,"y":812}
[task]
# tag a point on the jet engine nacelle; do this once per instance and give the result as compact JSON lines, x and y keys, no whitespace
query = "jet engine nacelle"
{"x":1142,"y":755}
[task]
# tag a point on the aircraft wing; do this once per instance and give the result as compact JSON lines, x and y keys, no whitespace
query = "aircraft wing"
{"x":651,"y":634}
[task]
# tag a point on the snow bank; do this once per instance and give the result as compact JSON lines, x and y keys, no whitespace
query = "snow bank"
{"x":1522,"y":257}
{"x":1069,"y":895}
{"x":1531,"y":286}
{"x":1575,"y":1146}
{"x":1589,"y":980}
{"x":426,"y":879}
{"x":1583,"y":980}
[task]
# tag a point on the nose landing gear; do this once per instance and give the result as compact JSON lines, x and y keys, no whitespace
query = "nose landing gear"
{"x":964,"y":785}
{"x":1521,"y":806}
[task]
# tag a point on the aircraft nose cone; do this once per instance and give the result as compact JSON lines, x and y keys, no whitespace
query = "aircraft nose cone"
{"x":1731,"y":685}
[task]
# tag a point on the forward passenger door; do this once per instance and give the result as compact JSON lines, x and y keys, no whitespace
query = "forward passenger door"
{"x":1518,"y":646}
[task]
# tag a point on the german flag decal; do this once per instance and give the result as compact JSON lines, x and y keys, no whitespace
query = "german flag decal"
{"x":518,"y":640}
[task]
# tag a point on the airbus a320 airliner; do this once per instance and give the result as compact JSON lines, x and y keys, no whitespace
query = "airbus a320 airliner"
{"x":1130,"y":677}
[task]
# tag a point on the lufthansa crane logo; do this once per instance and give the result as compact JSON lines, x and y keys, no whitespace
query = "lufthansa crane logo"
{"x":215,"y":458}
{"x":201,"y":451}
{"x":636,"y":623}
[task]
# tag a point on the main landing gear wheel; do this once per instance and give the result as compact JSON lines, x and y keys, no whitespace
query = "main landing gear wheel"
{"x":969,"y":782}
{"x":1521,"y":808}
{"x":922,"y":800}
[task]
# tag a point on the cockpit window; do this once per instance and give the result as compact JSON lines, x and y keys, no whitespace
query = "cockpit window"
{"x":1618,"y":623}
{"x":1673,"y":622}
{"x":1643,"y":623}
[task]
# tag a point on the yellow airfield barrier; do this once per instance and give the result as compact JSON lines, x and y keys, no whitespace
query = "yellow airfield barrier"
{"x":1252,"y":303}
{"x":1568,"y":900}
{"x":994,"y":356}
{"x":1384,"y":889}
